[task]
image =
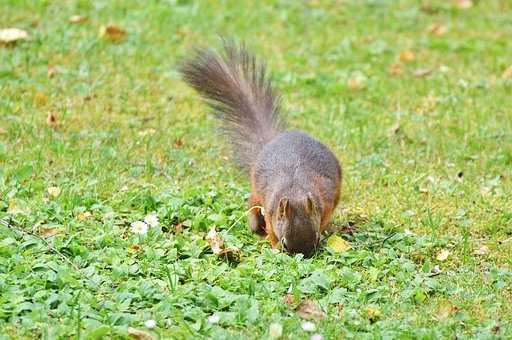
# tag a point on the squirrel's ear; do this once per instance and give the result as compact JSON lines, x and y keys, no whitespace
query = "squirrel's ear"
{"x":283,"y":207}
{"x":310,"y":205}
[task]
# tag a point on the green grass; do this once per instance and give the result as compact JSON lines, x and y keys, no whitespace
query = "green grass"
{"x":443,"y":181}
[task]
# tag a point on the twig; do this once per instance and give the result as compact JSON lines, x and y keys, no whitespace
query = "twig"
{"x":48,"y":245}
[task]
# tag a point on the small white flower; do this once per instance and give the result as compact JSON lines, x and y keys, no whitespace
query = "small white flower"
{"x":214,"y":318}
{"x":152,"y":220}
{"x":139,"y":227}
{"x":150,"y":324}
{"x":317,"y":337}
{"x":308,"y":326}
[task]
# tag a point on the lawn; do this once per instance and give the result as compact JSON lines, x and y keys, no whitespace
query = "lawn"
{"x":97,"y":131}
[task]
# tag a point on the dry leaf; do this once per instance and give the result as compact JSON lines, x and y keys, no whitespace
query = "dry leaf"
{"x":11,"y":35}
{"x":437,"y":29}
{"x":288,"y":299}
{"x":77,"y":19}
{"x":407,"y":56}
{"x":445,"y":310}
{"x":483,"y":250}
{"x":442,"y":255}
{"x":52,"y":70}
{"x":139,"y":334}
{"x":507,"y":74}
{"x":422,"y":72}
{"x":113,"y":33}
{"x":395,"y":69}
{"x":355,"y":83}
{"x":49,"y":232}
{"x":337,"y":244}
{"x":39,"y":99}
{"x":178,"y":143}
{"x":218,"y":248}
{"x":54,"y":191}
{"x":179,"y":228}
{"x":135,"y":248}
{"x":309,"y":309}
{"x":2,"y":131}
{"x":83,"y":216}
{"x":464,"y":4}
{"x":51,"y":119}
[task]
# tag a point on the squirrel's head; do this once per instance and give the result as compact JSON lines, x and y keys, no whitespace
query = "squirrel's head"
{"x":296,"y":223}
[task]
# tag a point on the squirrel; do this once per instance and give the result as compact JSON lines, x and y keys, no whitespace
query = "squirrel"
{"x":294,"y":178}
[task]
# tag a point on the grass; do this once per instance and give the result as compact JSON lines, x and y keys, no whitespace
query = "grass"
{"x":426,"y":154}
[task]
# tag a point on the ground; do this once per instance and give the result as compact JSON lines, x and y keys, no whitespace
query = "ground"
{"x":97,"y":131}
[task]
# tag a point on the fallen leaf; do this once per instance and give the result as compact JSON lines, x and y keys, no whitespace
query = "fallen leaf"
{"x":507,"y":74}
{"x":422,"y":72}
{"x":218,"y":248}
{"x":135,"y":248}
{"x":395,"y":69}
{"x":407,"y":56}
{"x":179,"y":228}
{"x":11,"y":35}
{"x":2,"y":131}
{"x":437,"y":29}
{"x":355,"y":83}
{"x":178,"y":143}
{"x":372,"y":313}
{"x":52,"y":70}
{"x":464,"y":4}
{"x":288,"y":299}
{"x":442,"y":255}
{"x":54,"y":191}
{"x":49,"y":232}
{"x":77,"y":19}
{"x":483,"y":250}
{"x":445,"y":310}
{"x":40,"y":99}
{"x":337,"y":244}
{"x":112,"y":32}
{"x":309,"y":309}
{"x":51,"y":120}
{"x":83,"y":216}
{"x":139,"y":334}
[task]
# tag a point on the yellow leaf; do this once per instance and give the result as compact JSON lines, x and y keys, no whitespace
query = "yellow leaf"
{"x":138,"y":334}
{"x":113,"y":33}
{"x":437,"y":29}
{"x":10,"y":35}
{"x":507,"y":74}
{"x":49,"y":232}
{"x":338,"y":244}
{"x":356,"y":83}
{"x":77,"y":19}
{"x":83,"y":216}
{"x":407,"y":56}
{"x":442,"y":255}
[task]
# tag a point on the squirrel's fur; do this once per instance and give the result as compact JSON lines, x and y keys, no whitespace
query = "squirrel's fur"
{"x":294,"y":177}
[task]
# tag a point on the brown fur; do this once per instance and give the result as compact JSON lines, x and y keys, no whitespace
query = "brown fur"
{"x":294,"y":177}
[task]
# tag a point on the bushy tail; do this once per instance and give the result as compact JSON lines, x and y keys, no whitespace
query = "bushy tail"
{"x":240,"y":92}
